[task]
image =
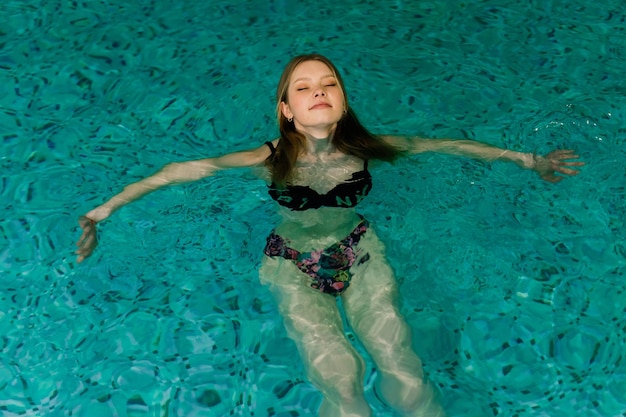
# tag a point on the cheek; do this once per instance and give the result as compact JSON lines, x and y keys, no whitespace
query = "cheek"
{"x":298,"y":105}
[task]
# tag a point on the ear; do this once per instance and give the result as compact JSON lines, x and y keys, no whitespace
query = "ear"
{"x":285,"y":110}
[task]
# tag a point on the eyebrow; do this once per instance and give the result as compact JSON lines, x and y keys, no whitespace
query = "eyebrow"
{"x":309,"y":78}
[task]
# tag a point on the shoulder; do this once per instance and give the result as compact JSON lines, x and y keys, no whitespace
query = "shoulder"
{"x":247,"y":158}
{"x":271,"y":145}
{"x":262,"y":152}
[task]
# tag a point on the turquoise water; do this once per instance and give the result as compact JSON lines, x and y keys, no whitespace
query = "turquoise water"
{"x":514,"y":287}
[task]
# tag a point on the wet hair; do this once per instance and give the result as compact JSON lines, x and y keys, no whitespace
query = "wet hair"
{"x":350,"y":137}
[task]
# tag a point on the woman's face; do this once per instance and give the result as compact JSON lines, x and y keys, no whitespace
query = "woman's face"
{"x":315,"y":100}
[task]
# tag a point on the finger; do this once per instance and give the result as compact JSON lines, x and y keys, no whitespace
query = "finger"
{"x":84,"y":252}
{"x":83,"y":238}
{"x":563,"y":154}
{"x":552,"y":178}
{"x":568,"y":171}
{"x":563,"y":165}
{"x":88,"y":243}
{"x":564,"y":151}
{"x":558,"y":153}
{"x":82,"y":257}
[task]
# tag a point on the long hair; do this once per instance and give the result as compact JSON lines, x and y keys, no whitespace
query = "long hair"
{"x":350,"y":136}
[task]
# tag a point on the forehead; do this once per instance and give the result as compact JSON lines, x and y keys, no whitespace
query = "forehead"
{"x":311,"y":69}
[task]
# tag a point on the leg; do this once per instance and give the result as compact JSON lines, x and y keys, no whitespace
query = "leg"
{"x":313,"y":321}
{"x":371,"y":307}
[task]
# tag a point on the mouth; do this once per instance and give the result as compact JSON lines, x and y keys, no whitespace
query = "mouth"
{"x":320,"y":106}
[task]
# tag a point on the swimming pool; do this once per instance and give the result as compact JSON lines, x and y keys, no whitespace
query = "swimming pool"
{"x":514,"y":287}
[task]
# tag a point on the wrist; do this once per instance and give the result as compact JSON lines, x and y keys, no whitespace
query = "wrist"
{"x":525,"y":160}
{"x":98,"y":214}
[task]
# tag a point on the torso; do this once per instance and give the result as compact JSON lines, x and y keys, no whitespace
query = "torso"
{"x":315,"y":228}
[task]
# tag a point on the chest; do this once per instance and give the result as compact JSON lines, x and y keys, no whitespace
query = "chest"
{"x":323,"y":175}
{"x":328,"y":187}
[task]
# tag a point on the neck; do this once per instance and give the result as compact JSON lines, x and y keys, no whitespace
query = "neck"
{"x":316,"y":146}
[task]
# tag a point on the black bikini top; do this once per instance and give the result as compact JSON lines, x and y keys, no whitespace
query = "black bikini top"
{"x":346,"y":194}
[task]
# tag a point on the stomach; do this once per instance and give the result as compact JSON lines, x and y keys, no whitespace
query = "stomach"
{"x":316,"y":228}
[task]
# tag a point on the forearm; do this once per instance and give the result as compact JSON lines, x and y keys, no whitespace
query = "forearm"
{"x":482,"y":151}
{"x":129,"y":194}
{"x":548,"y":166}
{"x":174,"y":173}
{"x":466,"y":148}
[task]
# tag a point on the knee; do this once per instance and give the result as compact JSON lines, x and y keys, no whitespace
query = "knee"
{"x":385,"y":328}
{"x":411,"y":396}
{"x":339,"y":378}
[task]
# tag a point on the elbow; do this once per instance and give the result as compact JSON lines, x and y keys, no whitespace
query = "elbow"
{"x":180,"y":172}
{"x":168,"y":174}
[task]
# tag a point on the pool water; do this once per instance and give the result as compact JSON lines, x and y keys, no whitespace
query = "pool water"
{"x":514,"y":288}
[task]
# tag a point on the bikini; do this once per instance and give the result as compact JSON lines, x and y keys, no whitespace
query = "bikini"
{"x":328,"y":268}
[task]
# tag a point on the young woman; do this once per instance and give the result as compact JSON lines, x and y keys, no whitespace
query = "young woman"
{"x":323,"y":248}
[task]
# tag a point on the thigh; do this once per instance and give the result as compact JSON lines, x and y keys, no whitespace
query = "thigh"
{"x":313,"y":321}
{"x":305,"y":310}
{"x":373,"y":287}
{"x":371,"y":306}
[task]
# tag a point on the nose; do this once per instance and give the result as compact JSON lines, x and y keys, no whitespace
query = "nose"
{"x":319,"y":92}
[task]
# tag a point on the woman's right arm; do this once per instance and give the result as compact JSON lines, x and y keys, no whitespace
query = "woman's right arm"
{"x":174,"y":173}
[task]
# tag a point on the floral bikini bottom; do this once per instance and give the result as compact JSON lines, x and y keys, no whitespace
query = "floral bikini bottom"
{"x":329,"y":267}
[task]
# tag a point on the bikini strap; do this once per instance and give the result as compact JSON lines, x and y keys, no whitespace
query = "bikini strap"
{"x":271,"y":146}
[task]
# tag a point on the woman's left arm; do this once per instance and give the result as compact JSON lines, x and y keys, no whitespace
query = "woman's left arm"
{"x":555,"y":162}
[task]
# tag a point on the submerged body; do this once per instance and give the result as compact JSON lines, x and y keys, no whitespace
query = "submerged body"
{"x":310,"y":314}
{"x":322,"y":247}
{"x":333,"y":186}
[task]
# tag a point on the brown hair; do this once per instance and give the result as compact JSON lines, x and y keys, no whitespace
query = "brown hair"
{"x":350,"y":136}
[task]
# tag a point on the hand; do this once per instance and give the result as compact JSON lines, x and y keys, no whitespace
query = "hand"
{"x":88,"y":240}
{"x":555,"y":162}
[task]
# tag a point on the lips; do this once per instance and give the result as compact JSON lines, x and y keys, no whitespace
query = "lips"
{"x":320,"y":106}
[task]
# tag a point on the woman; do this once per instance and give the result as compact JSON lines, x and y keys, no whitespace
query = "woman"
{"x":323,"y":248}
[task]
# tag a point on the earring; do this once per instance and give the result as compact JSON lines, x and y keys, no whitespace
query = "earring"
{"x":290,"y":119}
